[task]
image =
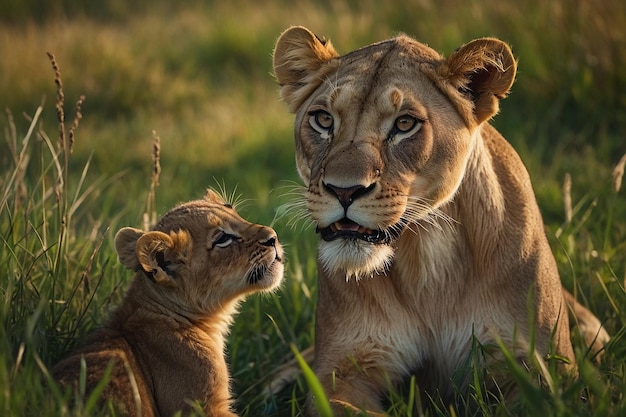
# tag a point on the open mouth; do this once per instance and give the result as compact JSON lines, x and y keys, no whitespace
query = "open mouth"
{"x":347,"y":229}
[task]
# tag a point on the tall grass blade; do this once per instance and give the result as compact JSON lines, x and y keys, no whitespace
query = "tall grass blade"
{"x":317,"y":391}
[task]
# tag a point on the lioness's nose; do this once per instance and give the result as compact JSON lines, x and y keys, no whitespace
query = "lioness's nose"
{"x":346,"y":196}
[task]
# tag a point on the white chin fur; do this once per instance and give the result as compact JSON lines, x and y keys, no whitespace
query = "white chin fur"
{"x":354,"y":258}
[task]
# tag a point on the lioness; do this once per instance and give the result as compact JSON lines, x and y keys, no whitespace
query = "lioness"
{"x":431,"y":238}
{"x":165,"y":342}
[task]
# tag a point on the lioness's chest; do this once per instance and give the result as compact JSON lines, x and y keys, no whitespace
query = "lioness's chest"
{"x":430,"y":308}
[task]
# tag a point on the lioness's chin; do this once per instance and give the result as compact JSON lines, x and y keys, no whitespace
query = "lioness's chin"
{"x":354,"y":257}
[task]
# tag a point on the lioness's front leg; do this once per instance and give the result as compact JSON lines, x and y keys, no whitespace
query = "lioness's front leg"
{"x":354,"y":334}
{"x":588,"y":324}
{"x":352,"y":382}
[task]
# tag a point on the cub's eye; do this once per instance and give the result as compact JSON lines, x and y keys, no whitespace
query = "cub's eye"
{"x":223,"y":239}
{"x":405,"y":123}
{"x":321,"y":121}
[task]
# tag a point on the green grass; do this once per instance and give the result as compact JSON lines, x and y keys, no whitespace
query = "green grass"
{"x":199,"y":76}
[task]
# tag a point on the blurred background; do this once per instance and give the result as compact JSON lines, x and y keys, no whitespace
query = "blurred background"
{"x":198,"y":75}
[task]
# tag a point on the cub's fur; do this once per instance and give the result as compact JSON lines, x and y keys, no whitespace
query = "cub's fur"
{"x":165,"y":342}
{"x":431,"y":237}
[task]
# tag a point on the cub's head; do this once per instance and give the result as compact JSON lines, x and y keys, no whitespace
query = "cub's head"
{"x":383,"y":134}
{"x":202,"y":255}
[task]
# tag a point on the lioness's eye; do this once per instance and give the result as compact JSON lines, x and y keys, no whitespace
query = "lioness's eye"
{"x":224,"y":239}
{"x":405,"y":123}
{"x":322,"y":120}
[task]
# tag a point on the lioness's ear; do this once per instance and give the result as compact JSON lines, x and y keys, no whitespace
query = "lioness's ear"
{"x":161,"y":254}
{"x":485,"y":70}
{"x":298,"y":56}
{"x":126,"y":247}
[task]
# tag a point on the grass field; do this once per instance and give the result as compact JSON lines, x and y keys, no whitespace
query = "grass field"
{"x":198,"y":77}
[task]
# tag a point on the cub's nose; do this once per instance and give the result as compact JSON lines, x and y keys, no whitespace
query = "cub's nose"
{"x":270,"y":239}
{"x":269,"y":242}
{"x":346,"y":196}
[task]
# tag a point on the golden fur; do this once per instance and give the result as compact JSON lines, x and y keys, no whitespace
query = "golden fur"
{"x":165,"y":342}
{"x":431,"y":237}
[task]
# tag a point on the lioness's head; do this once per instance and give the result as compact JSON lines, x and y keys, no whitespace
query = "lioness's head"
{"x":202,"y":254}
{"x":383,"y":134}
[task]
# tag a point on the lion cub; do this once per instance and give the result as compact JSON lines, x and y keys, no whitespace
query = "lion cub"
{"x":165,"y":343}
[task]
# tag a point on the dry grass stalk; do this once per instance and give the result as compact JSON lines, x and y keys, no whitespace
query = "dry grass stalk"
{"x":60,"y":100}
{"x":61,"y":162}
{"x":618,"y":174}
{"x":156,"y":160}
{"x":10,"y":133}
{"x":77,"y":119}
{"x":61,"y":144}
{"x":150,"y":216}
{"x":567,"y":197}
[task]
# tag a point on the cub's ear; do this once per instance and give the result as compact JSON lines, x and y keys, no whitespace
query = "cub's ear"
{"x":157,"y":253}
{"x":299,"y":55}
{"x":126,"y":247}
{"x":484,"y":69}
{"x":213,"y":197}
{"x":162,"y":255}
